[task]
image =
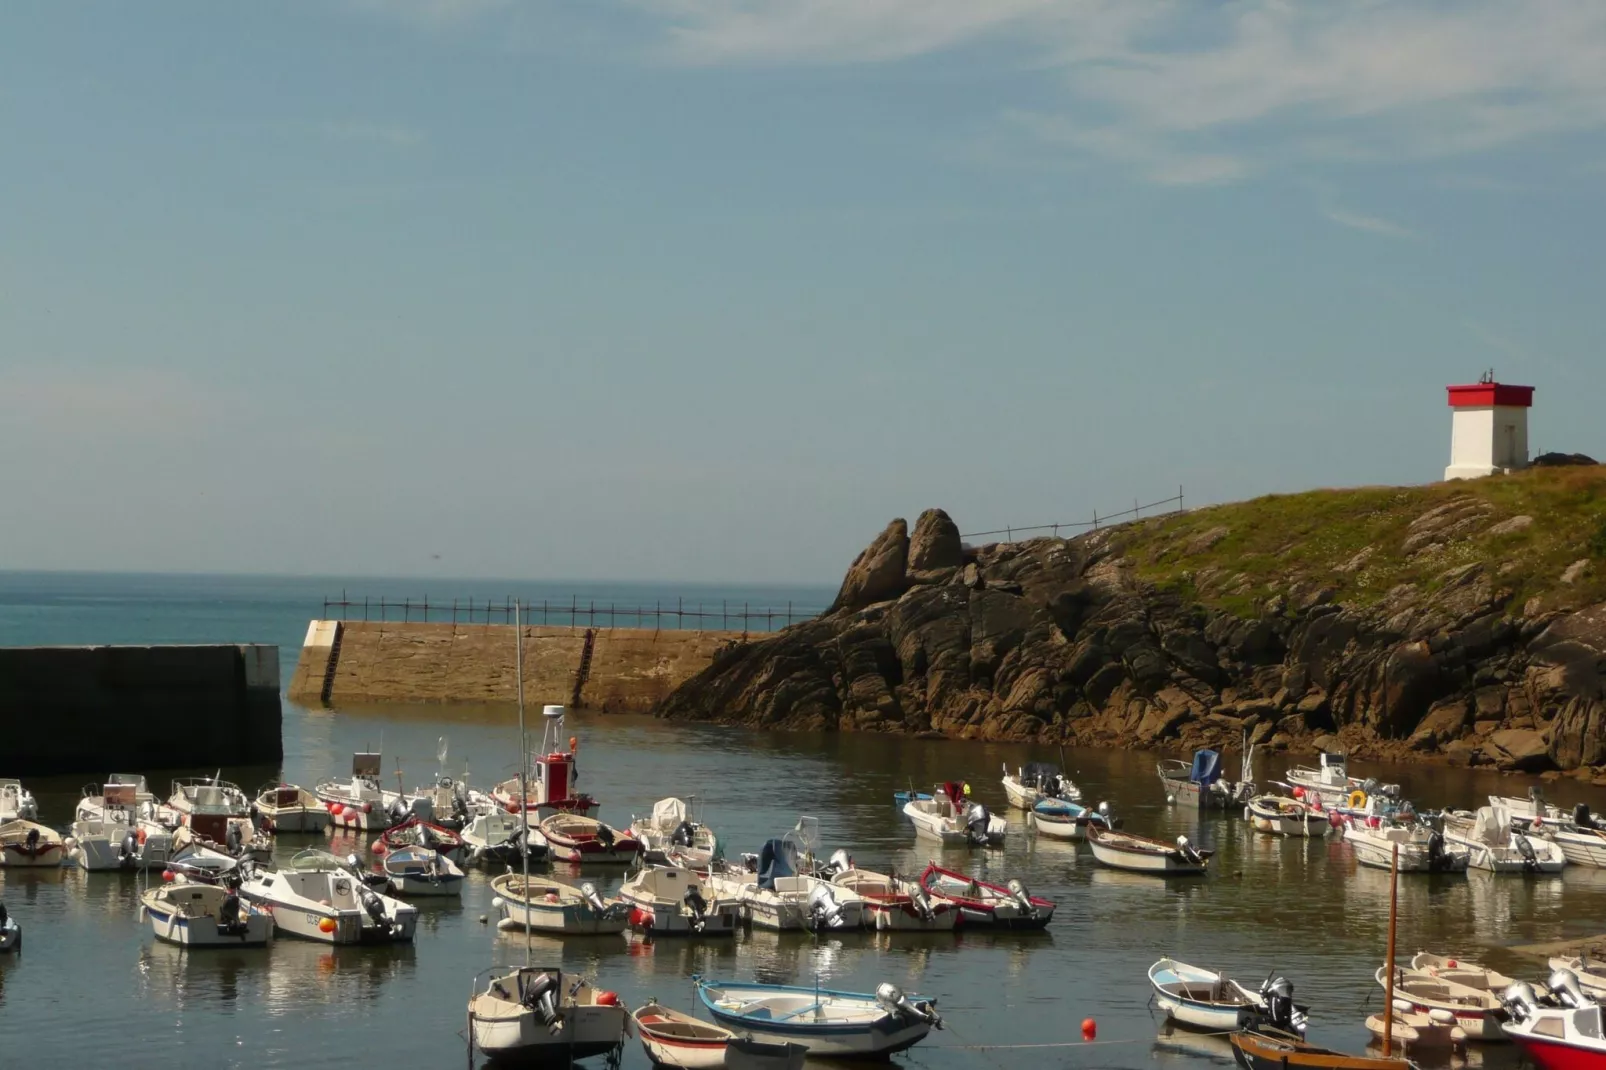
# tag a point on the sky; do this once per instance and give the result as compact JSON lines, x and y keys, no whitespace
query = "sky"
{"x":710,"y":290}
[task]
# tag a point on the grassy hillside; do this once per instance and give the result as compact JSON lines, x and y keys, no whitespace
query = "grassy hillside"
{"x":1359,"y":544}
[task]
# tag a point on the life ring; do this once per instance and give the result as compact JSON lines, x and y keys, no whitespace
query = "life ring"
{"x":1357,"y":799}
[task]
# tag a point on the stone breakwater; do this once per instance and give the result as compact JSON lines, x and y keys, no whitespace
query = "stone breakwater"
{"x":1082,"y":641}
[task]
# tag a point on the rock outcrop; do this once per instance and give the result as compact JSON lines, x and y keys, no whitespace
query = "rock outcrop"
{"x":1423,"y":631}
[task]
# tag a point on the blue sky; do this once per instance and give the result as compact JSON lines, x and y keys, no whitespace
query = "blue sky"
{"x":711,"y":289}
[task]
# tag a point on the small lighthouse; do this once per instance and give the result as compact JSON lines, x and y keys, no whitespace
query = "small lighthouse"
{"x":1488,"y":428}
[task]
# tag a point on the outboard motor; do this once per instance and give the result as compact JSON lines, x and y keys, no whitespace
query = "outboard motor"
{"x":398,"y":811}
{"x":541,"y":996}
{"x":749,"y":862}
{"x":605,"y":836}
{"x":1563,"y":984}
{"x":976,"y":820}
{"x":1018,"y":892}
{"x":1438,"y":861}
{"x":891,"y":997}
{"x":1521,"y":1000}
{"x":1104,"y":815}
{"x":1581,"y":816}
{"x":699,"y":909}
{"x":233,"y":839}
{"x":376,"y":909}
{"x":1530,"y":860}
{"x":839,"y":862}
{"x":588,"y":892}
{"x":922,"y":903}
{"x":824,"y":911}
{"x":1278,"y":992}
{"x":128,"y":850}
{"x":1187,"y":851}
{"x":33,"y":842}
{"x":231,"y":920}
{"x":682,"y":836}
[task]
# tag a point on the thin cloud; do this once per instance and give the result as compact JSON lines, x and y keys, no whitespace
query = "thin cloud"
{"x":1370,"y":223}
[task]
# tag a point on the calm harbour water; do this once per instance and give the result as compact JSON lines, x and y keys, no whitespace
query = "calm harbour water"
{"x":92,"y":978}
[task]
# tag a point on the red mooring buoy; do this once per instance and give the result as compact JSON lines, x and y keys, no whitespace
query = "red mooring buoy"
{"x":1090,"y":1029}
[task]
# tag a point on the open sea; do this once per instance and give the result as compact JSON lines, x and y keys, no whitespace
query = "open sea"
{"x":93,"y":988}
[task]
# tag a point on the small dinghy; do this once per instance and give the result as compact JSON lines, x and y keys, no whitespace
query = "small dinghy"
{"x":572,"y":838}
{"x":983,"y":904}
{"x":1282,"y":815}
{"x":30,"y":845}
{"x":416,"y":832}
{"x":414,"y":871}
{"x":205,"y":915}
{"x":1263,"y":1051}
{"x":1139,"y":854}
{"x":674,"y":836}
{"x":675,"y":902}
{"x":1462,"y":972}
{"x":1415,"y":1031}
{"x":550,"y":906}
{"x":950,"y":818}
{"x":1477,"y":1011}
{"x":10,"y":931}
{"x":829,"y":1024}
{"x":1203,"y":999}
{"x":1062,"y":820}
{"x":290,"y":808}
{"x":1591,"y":973}
{"x":895,"y":905}
{"x":528,"y":1014}
{"x":1035,"y":781}
{"x":678,"y":1040}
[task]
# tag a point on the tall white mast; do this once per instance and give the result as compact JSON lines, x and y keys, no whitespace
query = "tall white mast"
{"x":524,"y":787}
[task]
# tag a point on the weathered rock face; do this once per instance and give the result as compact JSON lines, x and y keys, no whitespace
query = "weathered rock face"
{"x":1059,"y":640}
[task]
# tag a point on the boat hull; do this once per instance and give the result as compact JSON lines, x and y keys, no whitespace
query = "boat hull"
{"x":295,"y":819}
{"x":1167,"y":864}
{"x":684,"y":1054}
{"x":571,"y":919}
{"x":100,"y":854}
{"x":1254,"y":1052}
{"x":1582,"y":848}
{"x":1556,"y":1055}
{"x":47,"y":856}
{"x":519,"y":1035}
{"x":174,"y":928}
{"x":783,"y":1015}
{"x":1199,"y":1015}
{"x":673,"y":919}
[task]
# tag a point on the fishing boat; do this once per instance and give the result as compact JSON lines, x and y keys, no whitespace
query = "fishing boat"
{"x":546,"y":905}
{"x":950,"y":818}
{"x":16,"y":802}
{"x":289,"y":808}
{"x":10,"y":931}
{"x":415,"y":871}
{"x":1330,"y":779}
{"x":1422,"y":849}
{"x":416,"y":832}
{"x":674,"y":1039}
{"x":1493,"y":843}
{"x":205,"y":915}
{"x":1199,"y":783}
{"x":1413,"y":1030}
{"x":1282,"y":815}
{"x":573,"y":838}
{"x":1261,"y":1051}
{"x":320,"y":897}
{"x":1565,"y":1036}
{"x":983,"y":904}
{"x":895,"y":905}
{"x":1590,"y":973}
{"x":1062,"y":820}
{"x":113,"y":832}
{"x":1462,"y":972}
{"x":549,"y":782}
{"x":1204,"y":999}
{"x":828,"y":1023}
{"x":532,"y":1014}
{"x":30,"y":845}
{"x":1477,"y":1011}
{"x":775,"y":895}
{"x":496,"y":836}
{"x":675,"y":902}
{"x":673,"y":835}
{"x":1035,"y":781}
{"x":1139,"y":854}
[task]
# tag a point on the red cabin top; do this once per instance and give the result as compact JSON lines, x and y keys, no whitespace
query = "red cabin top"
{"x":1482,"y":395}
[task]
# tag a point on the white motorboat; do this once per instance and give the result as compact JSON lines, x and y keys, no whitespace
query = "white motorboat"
{"x":494,"y":835}
{"x":1418,"y":1031}
{"x":1139,"y":854}
{"x":673,"y":835}
{"x":1059,"y":819}
{"x":16,"y":802}
{"x":677,"y":1040}
{"x":1531,"y":808}
{"x":1199,"y":783}
{"x":234,"y":836}
{"x":291,"y":808}
{"x":361,"y":803}
{"x":448,"y":797}
{"x":30,"y":845}
{"x":542,"y":904}
{"x":894,"y":904}
{"x":207,"y":795}
{"x":124,"y":792}
{"x":551,"y":777}
{"x":1331,"y":780}
{"x":950,"y":818}
{"x":1462,"y":972}
{"x":1282,"y":815}
{"x":319,"y":897}
{"x":113,"y":830}
{"x":1422,"y":850}
{"x":205,"y":915}
{"x":415,"y":871}
{"x":675,"y":902}
{"x":10,"y":931}
{"x":1580,"y":840}
{"x":1494,"y":843}
{"x":1035,"y":781}
{"x":776,"y":893}
{"x":198,"y":861}
{"x":530,"y":1014}
{"x":830,"y":1024}
{"x":1204,"y":999}
{"x":1567,"y":1036}
{"x":1477,"y":1011}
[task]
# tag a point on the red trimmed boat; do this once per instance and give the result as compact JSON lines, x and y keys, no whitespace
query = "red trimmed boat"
{"x":981,"y":903}
{"x":572,"y":838}
{"x":416,"y":832}
{"x":1568,"y":1037}
{"x":550,"y":787}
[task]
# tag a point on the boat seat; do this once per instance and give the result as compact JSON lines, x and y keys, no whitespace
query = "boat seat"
{"x":793,"y":1014}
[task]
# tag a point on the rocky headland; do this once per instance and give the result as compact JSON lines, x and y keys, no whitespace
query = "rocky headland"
{"x":1462,"y":622}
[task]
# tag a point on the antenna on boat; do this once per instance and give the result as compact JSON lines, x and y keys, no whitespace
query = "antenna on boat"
{"x":1388,"y":993}
{"x":524,"y":787}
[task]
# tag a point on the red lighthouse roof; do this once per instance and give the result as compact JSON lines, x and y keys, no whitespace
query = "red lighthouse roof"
{"x":1484,"y":394}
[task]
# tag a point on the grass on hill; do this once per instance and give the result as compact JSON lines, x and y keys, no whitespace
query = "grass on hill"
{"x":1362,"y":542}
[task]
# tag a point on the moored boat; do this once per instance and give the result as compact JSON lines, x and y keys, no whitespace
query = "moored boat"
{"x":829,"y":1024}
{"x":952,"y":819}
{"x":30,"y":845}
{"x":1580,"y":840}
{"x":674,"y":1039}
{"x":16,"y":802}
{"x":573,"y":838}
{"x":416,"y":832}
{"x":290,"y":808}
{"x":10,"y":931}
{"x":1414,"y":1030}
{"x":415,"y":871}
{"x":360,"y":802}
{"x":494,"y":835}
{"x":675,"y":902}
{"x":1035,"y":781}
{"x":542,"y":904}
{"x":1472,"y":974}
{"x":1421,"y":849}
{"x":673,"y":835}
{"x":1140,"y":854}
{"x":319,"y":897}
{"x":1062,"y":820}
{"x":1204,"y":999}
{"x":983,"y":904}
{"x":1260,"y":1051}
{"x":1477,"y":1011}
{"x":1330,"y":778}
{"x":1199,"y":783}
{"x":550,"y":784}
{"x":775,"y":895}
{"x":1564,"y":1037}
{"x":529,"y":1014}
{"x":205,"y":915}
{"x":1590,"y":973}
{"x":1283,"y":815}
{"x":893,"y":904}
{"x":1493,"y":843}
{"x":207,"y":795}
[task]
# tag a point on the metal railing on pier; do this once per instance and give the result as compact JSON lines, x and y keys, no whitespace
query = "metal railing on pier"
{"x":725,"y":615}
{"x":1163,"y":507}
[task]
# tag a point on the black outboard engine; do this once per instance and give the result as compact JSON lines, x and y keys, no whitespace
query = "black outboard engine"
{"x":398,"y":811}
{"x":376,"y":910}
{"x":977,"y":819}
{"x":128,"y":850}
{"x":5,"y":915}
{"x":1278,"y":992}
{"x":892,"y":999}
{"x":1581,"y":816}
{"x":541,"y":996}
{"x":922,"y":903}
{"x":1438,"y":861}
{"x":231,"y":920}
{"x":33,"y":841}
{"x":233,"y":839}
{"x":1187,"y":850}
{"x":605,"y":835}
{"x":1530,"y":860}
{"x":699,"y":909}
{"x":839,"y":862}
{"x":682,"y":836}
{"x":824,"y":911}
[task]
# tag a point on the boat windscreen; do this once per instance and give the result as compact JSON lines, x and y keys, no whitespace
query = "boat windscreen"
{"x":1206,"y":767}
{"x":1038,"y":774}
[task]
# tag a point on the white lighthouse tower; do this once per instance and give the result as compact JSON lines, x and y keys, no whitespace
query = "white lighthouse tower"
{"x":1488,"y":428}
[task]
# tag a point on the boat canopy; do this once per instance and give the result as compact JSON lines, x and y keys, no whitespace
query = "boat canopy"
{"x":1206,"y":768}
{"x":774,"y":860}
{"x":1038,"y":774}
{"x":668,"y":813}
{"x":1059,"y":808}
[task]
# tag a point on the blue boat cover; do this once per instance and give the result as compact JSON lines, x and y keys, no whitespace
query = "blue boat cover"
{"x":773,"y":861}
{"x":1059,"y":808}
{"x":1206,"y":767}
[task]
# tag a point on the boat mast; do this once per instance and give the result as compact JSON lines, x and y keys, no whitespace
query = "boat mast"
{"x":1388,"y":989}
{"x":524,"y":787}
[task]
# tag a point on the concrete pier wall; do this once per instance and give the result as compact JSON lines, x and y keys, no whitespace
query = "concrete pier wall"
{"x":97,"y":709}
{"x":365,"y":662}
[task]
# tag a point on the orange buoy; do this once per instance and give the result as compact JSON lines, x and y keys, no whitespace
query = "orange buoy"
{"x":327,"y":925}
{"x":167,"y":875}
{"x":574,"y":744}
{"x":1090,"y":1029}
{"x":607,"y":999}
